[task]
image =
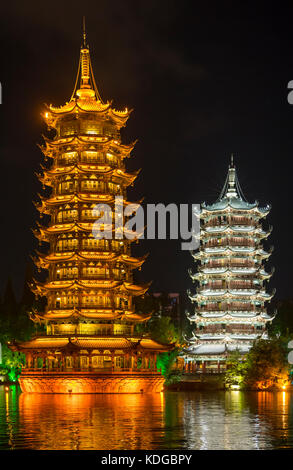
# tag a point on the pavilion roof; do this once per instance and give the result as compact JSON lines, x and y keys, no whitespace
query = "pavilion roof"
{"x":90,"y":342}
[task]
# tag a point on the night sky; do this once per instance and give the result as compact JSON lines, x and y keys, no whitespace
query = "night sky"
{"x":204,"y":82}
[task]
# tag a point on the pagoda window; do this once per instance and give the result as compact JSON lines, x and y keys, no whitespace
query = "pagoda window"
{"x":112,"y":159}
{"x":119,"y":362}
{"x":113,"y":188}
{"x":67,"y":244}
{"x":97,"y":361}
{"x":69,"y":128}
{"x":70,"y":273}
{"x":92,"y":185}
{"x":67,"y":186}
{"x":122,"y":329}
{"x":66,"y":301}
{"x":69,"y":362}
{"x":95,"y":244}
{"x":95,"y":272}
{"x":90,"y":127}
{"x":84,"y":361}
{"x":66,"y":215}
{"x":68,"y":158}
{"x":91,"y":157}
{"x":107,"y":356}
{"x":89,"y":213}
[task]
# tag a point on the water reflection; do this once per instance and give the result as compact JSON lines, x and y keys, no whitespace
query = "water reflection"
{"x":216,"y":420}
{"x":92,"y":421}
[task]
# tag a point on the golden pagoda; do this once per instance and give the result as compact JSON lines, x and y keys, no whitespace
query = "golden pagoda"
{"x":90,"y":345}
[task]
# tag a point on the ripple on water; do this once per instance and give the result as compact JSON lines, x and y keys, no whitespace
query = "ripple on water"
{"x":174,"y":420}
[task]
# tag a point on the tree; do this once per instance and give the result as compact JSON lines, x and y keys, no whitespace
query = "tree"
{"x":165,"y":362}
{"x":162,"y":329}
{"x":267,"y":363}
{"x":11,"y":363}
{"x":236,"y":370}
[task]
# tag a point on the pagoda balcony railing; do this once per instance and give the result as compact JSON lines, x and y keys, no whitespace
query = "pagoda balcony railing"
{"x":89,"y":370}
{"x":214,"y":244}
{"x":81,"y":219}
{"x":101,"y":334}
{"x":215,"y":265}
{"x":99,"y":191}
{"x":85,"y":161}
{"x":229,"y":307}
{"x":112,"y":164}
{"x":90,"y":249}
{"x":230,"y":286}
{"x":86,"y":277}
{"x":229,"y":221}
{"x":88,"y":306}
{"x":245,"y":331}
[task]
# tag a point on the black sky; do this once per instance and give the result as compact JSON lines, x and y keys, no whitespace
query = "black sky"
{"x":204,"y":81}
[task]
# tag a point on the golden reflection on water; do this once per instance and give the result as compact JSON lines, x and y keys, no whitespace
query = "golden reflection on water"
{"x":92,"y":421}
{"x":174,"y":420}
{"x":276,"y":409}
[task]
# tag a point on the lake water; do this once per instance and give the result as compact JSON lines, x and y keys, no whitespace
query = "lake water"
{"x":171,"y":420}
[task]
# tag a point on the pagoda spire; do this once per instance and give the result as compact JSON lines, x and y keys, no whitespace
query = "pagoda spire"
{"x":85,"y":79}
{"x":232,"y":187}
{"x":84,"y":32}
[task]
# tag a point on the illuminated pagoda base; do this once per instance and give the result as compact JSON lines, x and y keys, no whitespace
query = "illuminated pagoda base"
{"x":84,"y":365}
{"x":85,"y":382}
{"x":90,"y":344}
{"x":231,"y":297}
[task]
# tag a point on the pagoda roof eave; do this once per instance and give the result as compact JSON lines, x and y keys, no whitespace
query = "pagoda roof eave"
{"x":234,"y":203}
{"x":79,"y":284}
{"x":88,"y":106}
{"x":105,"y":170}
{"x":83,"y":197}
{"x":99,"y":314}
{"x":124,"y":149}
{"x":127,"y":287}
{"x":78,"y":342}
{"x":85,"y":227}
{"x":90,"y":256}
{"x":133,"y":289}
{"x":237,"y":315}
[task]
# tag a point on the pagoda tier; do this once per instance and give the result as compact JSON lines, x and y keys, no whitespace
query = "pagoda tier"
{"x":90,"y":286}
{"x":231,"y":297}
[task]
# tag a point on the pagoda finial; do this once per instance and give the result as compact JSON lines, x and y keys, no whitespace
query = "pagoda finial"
{"x":84,"y":32}
{"x":231,"y":187}
{"x":85,"y":86}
